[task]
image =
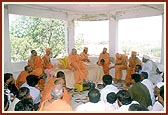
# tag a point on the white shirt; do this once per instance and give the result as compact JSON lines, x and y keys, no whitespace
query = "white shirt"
{"x":126,"y":107}
{"x":150,"y":67}
{"x":34,"y":93}
{"x":156,"y":107}
{"x":106,"y":90}
{"x":91,"y":107}
{"x":111,"y":107}
{"x":150,"y":87}
{"x":12,"y":105}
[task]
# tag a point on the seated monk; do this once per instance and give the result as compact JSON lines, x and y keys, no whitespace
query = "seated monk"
{"x":133,"y":61}
{"x":120,"y":64}
{"x":37,"y":65}
{"x":84,"y":55}
{"x":55,"y":103}
{"x":47,"y":65}
{"x":22,"y":76}
{"x":46,"y":59}
{"x":60,"y":78}
{"x":106,"y":60}
{"x":77,"y":66}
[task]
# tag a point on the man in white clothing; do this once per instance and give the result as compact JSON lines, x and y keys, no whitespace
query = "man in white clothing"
{"x":159,"y":104}
{"x":31,"y":82}
{"x":94,"y":103}
{"x":151,"y":68}
{"x":109,"y":87}
{"x":148,"y":84}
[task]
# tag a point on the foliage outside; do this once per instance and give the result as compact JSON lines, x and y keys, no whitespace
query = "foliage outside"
{"x":27,"y":33}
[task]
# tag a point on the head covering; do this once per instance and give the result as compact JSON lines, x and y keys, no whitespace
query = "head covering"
{"x":104,"y":49}
{"x":85,"y":48}
{"x":48,"y":50}
{"x":134,"y":53}
{"x":160,"y":84}
{"x":117,"y":55}
{"x":146,"y":57}
{"x":160,"y":67}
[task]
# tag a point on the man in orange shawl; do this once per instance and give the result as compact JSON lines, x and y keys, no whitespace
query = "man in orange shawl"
{"x":84,"y":55}
{"x":36,"y":63}
{"x":46,"y":59}
{"x":77,"y":66}
{"x":133,"y":61}
{"x":104,"y":61}
{"x":47,"y":63}
{"x":120,"y":64}
{"x":59,"y":79}
{"x":22,"y":76}
{"x":55,"y":103}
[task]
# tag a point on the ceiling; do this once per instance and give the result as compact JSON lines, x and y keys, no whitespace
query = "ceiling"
{"x":96,"y":7}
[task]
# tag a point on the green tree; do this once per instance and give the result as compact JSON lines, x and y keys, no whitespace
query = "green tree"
{"x":27,"y":33}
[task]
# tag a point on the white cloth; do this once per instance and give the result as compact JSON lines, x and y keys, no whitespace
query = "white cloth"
{"x":91,"y":107}
{"x":156,"y":107}
{"x":107,"y":89}
{"x":12,"y":105}
{"x":160,"y":84}
{"x":111,"y":107}
{"x":146,"y":57}
{"x":150,"y":67}
{"x":126,"y":107}
{"x":34,"y":93}
{"x":150,"y":87}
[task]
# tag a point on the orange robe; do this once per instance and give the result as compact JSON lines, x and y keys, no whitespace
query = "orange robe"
{"x":131,"y":68}
{"x":21,"y":78}
{"x":77,"y":66}
{"x":37,"y":64}
{"x":46,"y":94}
{"x":84,"y":57}
{"x":47,"y":63}
{"x":55,"y":105}
{"x":106,"y":65}
{"x":120,"y":64}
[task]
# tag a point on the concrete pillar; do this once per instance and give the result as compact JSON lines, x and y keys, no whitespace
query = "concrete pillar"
{"x":163,"y":44}
{"x":70,"y":35}
{"x":6,"y":43}
{"x":113,"y":36}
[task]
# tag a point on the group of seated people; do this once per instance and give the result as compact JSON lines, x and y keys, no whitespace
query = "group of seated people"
{"x":141,"y":96}
{"x":31,"y":92}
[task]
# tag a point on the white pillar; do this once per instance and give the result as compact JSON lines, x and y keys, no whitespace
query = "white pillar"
{"x":113,"y":36}
{"x":6,"y":42}
{"x":163,"y":44}
{"x":70,"y":35}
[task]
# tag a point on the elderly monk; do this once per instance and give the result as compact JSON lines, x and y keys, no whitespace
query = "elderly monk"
{"x":77,"y":66}
{"x":120,"y":64}
{"x":56,"y":103}
{"x":84,"y":55}
{"x":36,"y":63}
{"x":47,"y":63}
{"x":22,"y":76}
{"x":133,"y":61}
{"x":104,"y":60}
{"x":59,"y":79}
{"x":46,"y":59}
